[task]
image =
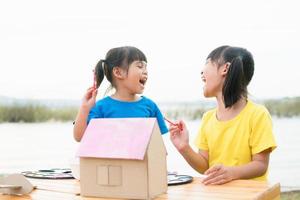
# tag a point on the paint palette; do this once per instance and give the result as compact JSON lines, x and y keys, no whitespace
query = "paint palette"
{"x":55,"y":173}
{"x":175,"y":179}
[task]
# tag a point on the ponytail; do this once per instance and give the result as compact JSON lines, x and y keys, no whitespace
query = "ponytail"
{"x":99,"y":72}
{"x":239,"y":74}
{"x":234,"y":86}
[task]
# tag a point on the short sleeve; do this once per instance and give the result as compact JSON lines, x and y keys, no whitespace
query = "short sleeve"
{"x":160,"y":119}
{"x":94,"y":113}
{"x":262,"y":137}
{"x":201,"y":139}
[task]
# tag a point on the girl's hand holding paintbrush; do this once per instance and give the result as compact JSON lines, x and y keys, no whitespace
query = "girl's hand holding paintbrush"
{"x":89,"y":98}
{"x":172,"y":123}
{"x":179,"y":134}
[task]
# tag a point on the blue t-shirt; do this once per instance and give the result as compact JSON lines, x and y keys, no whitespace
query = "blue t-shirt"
{"x":112,"y":108}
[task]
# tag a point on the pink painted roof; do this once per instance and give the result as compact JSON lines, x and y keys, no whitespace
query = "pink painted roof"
{"x":118,"y":138}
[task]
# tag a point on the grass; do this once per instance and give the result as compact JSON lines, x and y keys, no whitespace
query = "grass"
{"x":30,"y":112}
{"x":35,"y":113}
{"x":295,"y":195}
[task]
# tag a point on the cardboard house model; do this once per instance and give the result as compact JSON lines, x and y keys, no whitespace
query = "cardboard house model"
{"x":123,"y":158}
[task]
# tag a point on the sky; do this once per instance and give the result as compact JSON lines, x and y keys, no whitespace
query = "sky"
{"x":49,"y":48}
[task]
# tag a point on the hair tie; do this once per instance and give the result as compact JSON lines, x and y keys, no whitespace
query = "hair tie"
{"x":240,"y":57}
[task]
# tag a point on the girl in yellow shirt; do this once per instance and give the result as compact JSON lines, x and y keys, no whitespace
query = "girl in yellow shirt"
{"x":235,"y":139}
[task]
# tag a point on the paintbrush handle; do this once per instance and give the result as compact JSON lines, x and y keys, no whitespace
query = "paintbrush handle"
{"x":10,"y":186}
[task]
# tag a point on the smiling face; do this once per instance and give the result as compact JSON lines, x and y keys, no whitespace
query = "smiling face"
{"x":136,"y":78}
{"x":213,"y":77}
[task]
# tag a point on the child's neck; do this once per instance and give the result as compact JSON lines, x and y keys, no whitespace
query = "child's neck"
{"x":125,"y":96}
{"x":225,"y":114}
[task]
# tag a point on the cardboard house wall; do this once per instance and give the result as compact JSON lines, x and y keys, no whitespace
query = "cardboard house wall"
{"x":123,"y":158}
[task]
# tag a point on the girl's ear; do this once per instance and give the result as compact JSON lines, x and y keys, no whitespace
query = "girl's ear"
{"x":225,"y":68}
{"x":119,"y":73}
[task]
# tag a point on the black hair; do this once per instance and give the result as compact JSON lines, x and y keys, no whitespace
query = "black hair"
{"x":117,"y":57}
{"x":239,"y":74}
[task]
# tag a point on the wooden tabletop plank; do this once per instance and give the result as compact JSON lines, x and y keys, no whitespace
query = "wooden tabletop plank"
{"x":239,"y":189}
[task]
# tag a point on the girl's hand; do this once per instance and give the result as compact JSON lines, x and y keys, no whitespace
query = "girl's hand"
{"x":89,"y":99}
{"x":179,"y":135}
{"x":218,"y":174}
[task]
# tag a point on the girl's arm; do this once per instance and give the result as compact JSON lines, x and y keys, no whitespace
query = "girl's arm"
{"x":180,"y":138}
{"x":220,"y":174}
{"x":88,"y":102}
{"x":198,"y":161}
{"x":257,"y":167}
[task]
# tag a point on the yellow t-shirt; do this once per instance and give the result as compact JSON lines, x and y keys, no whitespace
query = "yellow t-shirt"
{"x":233,"y":142}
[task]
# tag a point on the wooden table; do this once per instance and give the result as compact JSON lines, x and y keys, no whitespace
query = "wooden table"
{"x":239,"y":189}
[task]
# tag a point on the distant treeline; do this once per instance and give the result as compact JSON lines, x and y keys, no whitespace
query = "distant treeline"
{"x":286,"y":107}
{"x":185,"y":113}
{"x":35,"y":113}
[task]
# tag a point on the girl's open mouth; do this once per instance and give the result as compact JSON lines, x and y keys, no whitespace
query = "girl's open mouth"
{"x":143,"y":81}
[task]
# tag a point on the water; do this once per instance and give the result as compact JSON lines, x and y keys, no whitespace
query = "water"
{"x":51,"y":145}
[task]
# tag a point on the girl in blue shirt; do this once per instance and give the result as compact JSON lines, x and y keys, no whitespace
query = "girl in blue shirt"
{"x":126,"y":69}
